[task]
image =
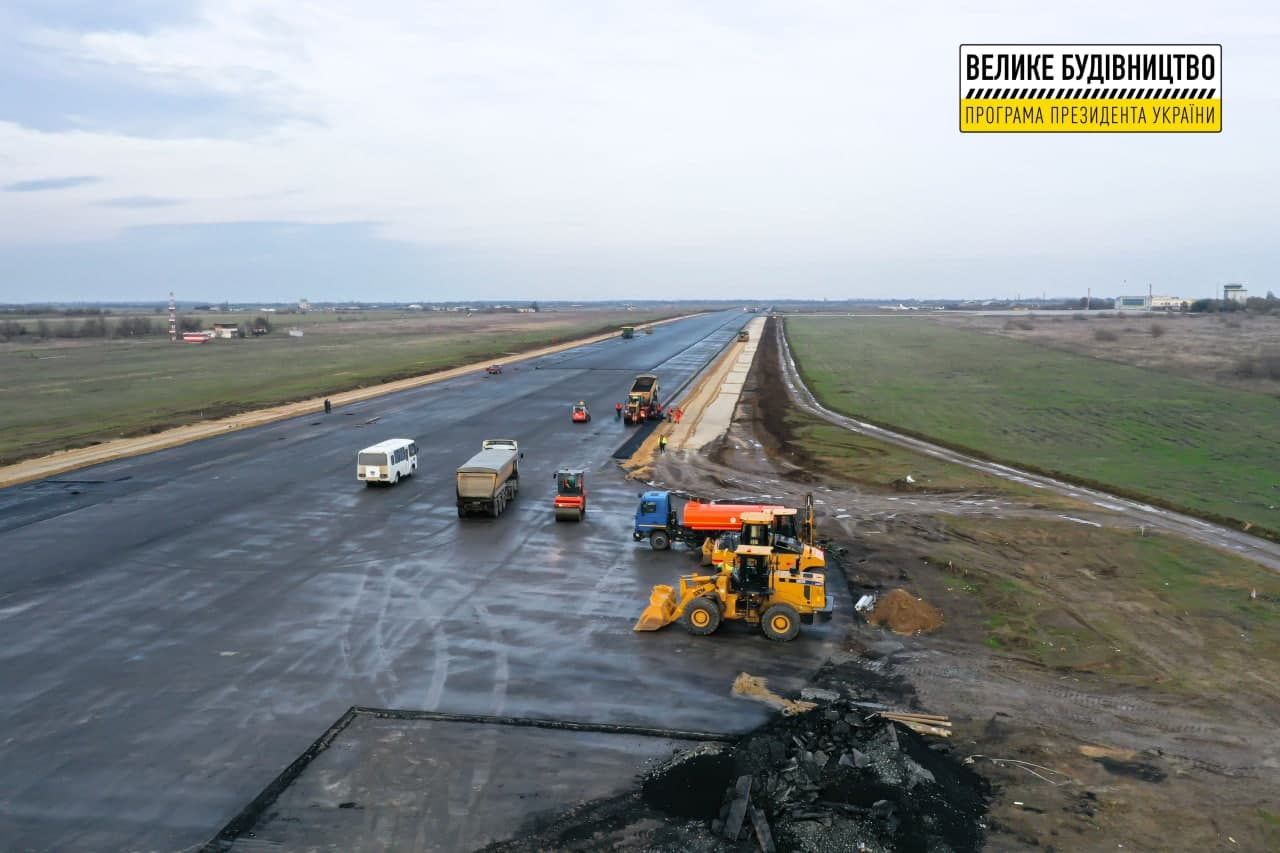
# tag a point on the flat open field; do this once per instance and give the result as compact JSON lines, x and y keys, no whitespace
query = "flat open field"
{"x":1187,"y":443}
{"x":1212,"y":347}
{"x":70,"y":393}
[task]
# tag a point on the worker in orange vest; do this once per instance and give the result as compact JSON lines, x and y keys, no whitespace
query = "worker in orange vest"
{"x":618,"y":408}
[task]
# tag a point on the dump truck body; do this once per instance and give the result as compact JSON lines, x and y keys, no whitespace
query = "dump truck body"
{"x":628,"y":331}
{"x":490,"y":480}
{"x":659,"y":521}
{"x":744,"y":335}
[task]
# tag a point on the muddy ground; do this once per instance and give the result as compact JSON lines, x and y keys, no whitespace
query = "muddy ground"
{"x":1169,"y":746}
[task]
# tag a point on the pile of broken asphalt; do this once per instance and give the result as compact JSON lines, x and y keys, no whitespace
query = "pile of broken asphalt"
{"x":835,"y":778}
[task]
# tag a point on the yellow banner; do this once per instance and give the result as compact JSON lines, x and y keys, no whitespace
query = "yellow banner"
{"x":1090,"y":115}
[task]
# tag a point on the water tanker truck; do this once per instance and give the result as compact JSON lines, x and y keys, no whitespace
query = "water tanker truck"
{"x":488,"y":481}
{"x":698,"y":524}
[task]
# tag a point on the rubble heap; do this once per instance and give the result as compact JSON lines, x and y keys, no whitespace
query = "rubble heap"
{"x":837,"y":777}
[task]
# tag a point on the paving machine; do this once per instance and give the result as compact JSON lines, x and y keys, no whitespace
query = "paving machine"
{"x":752,"y":589}
{"x":571,"y":494}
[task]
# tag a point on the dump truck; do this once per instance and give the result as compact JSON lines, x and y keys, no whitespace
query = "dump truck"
{"x":628,"y":332}
{"x":752,"y":589}
{"x":642,"y":400}
{"x":571,"y":494}
{"x":489,"y":481}
{"x":697,"y":524}
{"x":744,"y":335}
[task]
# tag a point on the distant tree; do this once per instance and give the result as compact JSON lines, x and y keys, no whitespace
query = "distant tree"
{"x":43,"y":329}
{"x":533,"y":306}
{"x":262,"y":323}
{"x":188,"y":324}
{"x":93,"y":327}
{"x":11,"y":329}
{"x":1270,"y":296}
{"x":1204,"y":306}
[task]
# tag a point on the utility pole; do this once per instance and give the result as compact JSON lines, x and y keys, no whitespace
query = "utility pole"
{"x":1088,"y":300}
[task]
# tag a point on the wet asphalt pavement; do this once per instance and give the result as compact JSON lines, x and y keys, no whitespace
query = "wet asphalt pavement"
{"x":176,"y":628}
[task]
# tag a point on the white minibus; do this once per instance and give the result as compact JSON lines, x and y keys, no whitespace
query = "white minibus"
{"x":387,"y":461}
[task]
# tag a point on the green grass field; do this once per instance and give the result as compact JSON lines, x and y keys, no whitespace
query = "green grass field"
{"x":58,"y":396}
{"x":1184,"y":443}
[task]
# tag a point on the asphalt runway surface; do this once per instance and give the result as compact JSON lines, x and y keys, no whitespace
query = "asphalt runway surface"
{"x":176,"y":628}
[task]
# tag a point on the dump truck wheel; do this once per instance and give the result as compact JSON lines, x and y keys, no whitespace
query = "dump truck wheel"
{"x":702,"y":617}
{"x":659,"y":540}
{"x":781,"y":623}
{"x":462,"y":513}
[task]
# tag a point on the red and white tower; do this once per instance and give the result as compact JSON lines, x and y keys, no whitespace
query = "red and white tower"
{"x":173,"y":319}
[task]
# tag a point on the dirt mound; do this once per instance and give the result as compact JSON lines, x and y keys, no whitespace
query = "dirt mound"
{"x":903,"y":613}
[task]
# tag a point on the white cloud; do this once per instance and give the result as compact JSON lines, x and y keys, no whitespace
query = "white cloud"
{"x":765,"y":129}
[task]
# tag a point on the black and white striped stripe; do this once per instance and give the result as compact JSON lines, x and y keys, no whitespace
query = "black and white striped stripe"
{"x":1089,"y":93}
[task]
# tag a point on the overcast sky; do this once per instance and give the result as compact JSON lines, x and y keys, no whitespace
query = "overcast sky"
{"x":410,"y":150}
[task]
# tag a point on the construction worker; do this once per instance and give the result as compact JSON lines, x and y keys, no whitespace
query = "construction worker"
{"x":679,"y":414}
{"x":662,"y":444}
{"x":618,"y":409}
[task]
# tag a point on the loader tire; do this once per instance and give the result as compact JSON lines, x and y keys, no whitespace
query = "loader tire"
{"x":781,"y":623}
{"x":702,"y":617}
{"x":659,"y":541}
{"x":462,"y":513}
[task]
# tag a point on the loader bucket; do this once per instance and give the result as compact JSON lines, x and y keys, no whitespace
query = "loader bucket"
{"x":661,"y":610}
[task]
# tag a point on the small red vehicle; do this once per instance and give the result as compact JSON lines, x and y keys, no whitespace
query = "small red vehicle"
{"x":571,"y":494}
{"x":494,"y":368}
{"x":580,"y":414}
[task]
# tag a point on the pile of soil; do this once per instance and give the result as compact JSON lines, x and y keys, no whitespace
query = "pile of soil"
{"x":903,"y":613}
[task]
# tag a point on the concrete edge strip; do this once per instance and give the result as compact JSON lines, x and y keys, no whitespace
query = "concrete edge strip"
{"x":99,"y":454}
{"x":251,"y":813}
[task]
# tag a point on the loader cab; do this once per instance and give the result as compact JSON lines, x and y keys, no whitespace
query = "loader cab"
{"x":751,"y":569}
{"x":756,"y":529}
{"x":784,"y":523}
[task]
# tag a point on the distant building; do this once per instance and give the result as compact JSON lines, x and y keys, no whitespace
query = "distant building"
{"x":226,"y":330}
{"x":1168,"y":303}
{"x":1235,"y":293}
{"x":1132,"y":303}
{"x":304,"y":306}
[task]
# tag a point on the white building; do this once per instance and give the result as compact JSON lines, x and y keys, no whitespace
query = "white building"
{"x":1132,"y":303}
{"x":1169,"y":303}
{"x":1235,"y":293}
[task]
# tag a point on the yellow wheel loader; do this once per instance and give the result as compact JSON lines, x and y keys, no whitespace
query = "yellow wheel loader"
{"x":761,"y":528}
{"x":752,"y":588}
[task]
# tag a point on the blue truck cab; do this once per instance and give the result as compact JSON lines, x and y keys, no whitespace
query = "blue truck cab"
{"x":654,"y":519}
